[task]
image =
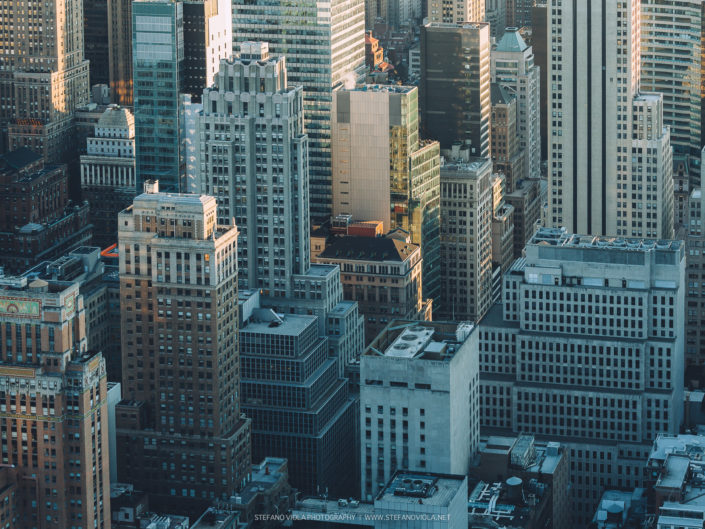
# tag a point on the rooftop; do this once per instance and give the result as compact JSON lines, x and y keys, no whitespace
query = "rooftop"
{"x":389,"y":88}
{"x":511,"y":41}
{"x":674,"y":473}
{"x":266,"y":321}
{"x":473,"y":165}
{"x":512,"y":503}
{"x":116,"y":117}
{"x":20,"y":158}
{"x":421,"y":488}
{"x":561,"y":238}
{"x":418,"y":340}
{"x":500,"y":95}
{"x":368,"y":249}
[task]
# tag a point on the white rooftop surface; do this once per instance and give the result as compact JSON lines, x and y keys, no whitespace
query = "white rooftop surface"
{"x":410,"y":342}
{"x":289,"y":324}
{"x":684,"y":443}
{"x":676,"y":471}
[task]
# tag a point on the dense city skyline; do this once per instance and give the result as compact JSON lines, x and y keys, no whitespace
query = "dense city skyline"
{"x":358,"y":263}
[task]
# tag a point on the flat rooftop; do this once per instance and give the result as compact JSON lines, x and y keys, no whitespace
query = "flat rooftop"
{"x":421,"y":340}
{"x":675,"y":472}
{"x":473,"y":165}
{"x":561,"y":238}
{"x":392,"y":89}
{"x":415,"y":487}
{"x":265,"y":321}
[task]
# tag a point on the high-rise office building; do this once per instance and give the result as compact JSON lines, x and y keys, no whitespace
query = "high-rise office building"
{"x":108,"y":172}
{"x":253,"y":158}
{"x":602,"y":181}
{"x":419,"y":401}
{"x":507,"y":154}
{"x":466,"y":239}
{"x":695,"y":301}
{"x":502,"y":231}
{"x":527,"y":203}
{"x":671,"y":65}
{"x":158,"y":73}
{"x":327,"y":54}
{"x":496,"y":16}
{"x":120,"y":51}
{"x":180,"y":353}
{"x":207,"y":40}
{"x":591,"y":334}
{"x":454,"y":92}
{"x":54,"y":407}
{"x":43,"y":74}
{"x":540,"y":44}
{"x":95,"y":28}
{"x":381,"y":171}
{"x":512,"y":67}
{"x":455,"y":12}
{"x":397,"y":15}
{"x":298,"y":403}
{"x":519,"y":12}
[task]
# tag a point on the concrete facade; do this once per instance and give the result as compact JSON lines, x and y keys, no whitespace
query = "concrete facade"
{"x":587,"y":348}
{"x":419,"y":398}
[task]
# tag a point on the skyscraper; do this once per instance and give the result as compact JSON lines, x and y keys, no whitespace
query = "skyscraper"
{"x":381,"y":171}
{"x":95,"y":28}
{"x":53,"y":396}
{"x":120,"y":51}
{"x":158,"y":72}
{"x":454,"y":92}
{"x":695,"y":308}
{"x":671,"y":65}
{"x":594,"y":140}
{"x":512,"y":67}
{"x":507,"y":155}
{"x":419,"y":401}
{"x":253,"y":159}
{"x":587,"y":348}
{"x":327,"y":53}
{"x":207,"y":40}
{"x":519,"y":12}
{"x":43,"y":75}
{"x":180,"y":353}
{"x":466,"y":239}
{"x":455,"y":12}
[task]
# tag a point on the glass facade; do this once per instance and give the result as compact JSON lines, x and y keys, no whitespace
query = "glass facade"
{"x":324,"y":46}
{"x":158,"y":56}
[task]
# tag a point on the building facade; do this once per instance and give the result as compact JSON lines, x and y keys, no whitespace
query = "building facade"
{"x":507,"y":155}
{"x":158,"y":73}
{"x":419,"y":398}
{"x":120,"y":51}
{"x":383,"y":275}
{"x":596,"y":141}
{"x":251,"y":127}
{"x":53,"y":407}
{"x":454,"y":91}
{"x":207,"y":40}
{"x":590,"y":332}
{"x":382,"y":172}
{"x":455,"y":12}
{"x":38,"y":221}
{"x":671,"y":64}
{"x":513,"y":67}
{"x":108,"y":172}
{"x":466,"y":239}
{"x":695,"y":301}
{"x":180,"y":376}
{"x":95,"y":28}
{"x":298,"y":403}
{"x":328,"y":53}
{"x":40,"y":90}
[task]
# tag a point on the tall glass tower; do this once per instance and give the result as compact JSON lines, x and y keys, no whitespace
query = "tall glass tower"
{"x":158,"y":57}
{"x":324,"y":45}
